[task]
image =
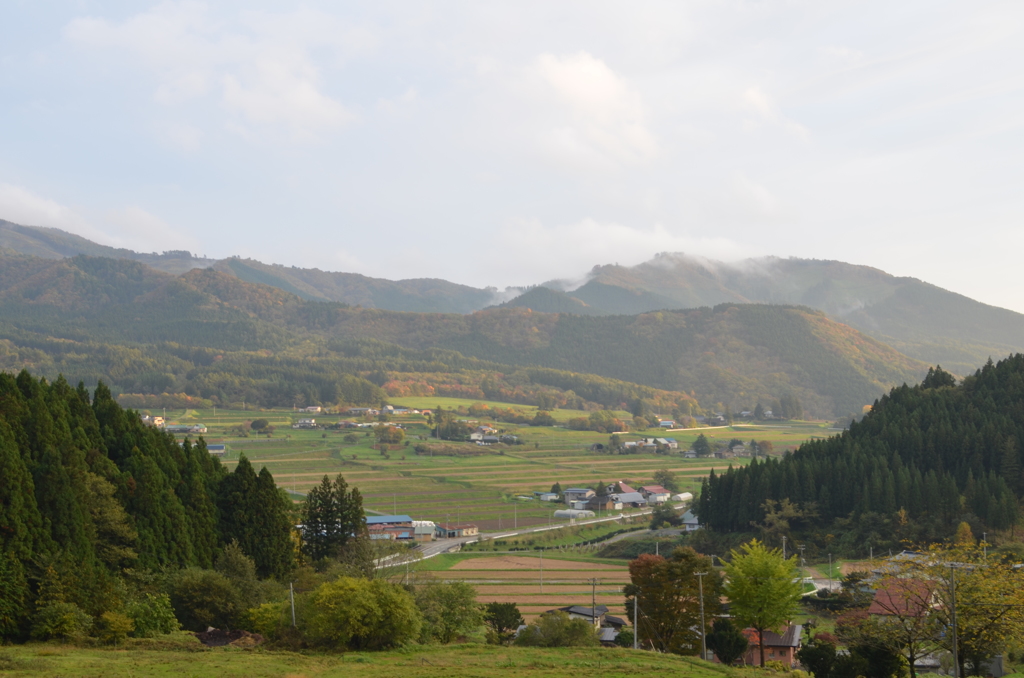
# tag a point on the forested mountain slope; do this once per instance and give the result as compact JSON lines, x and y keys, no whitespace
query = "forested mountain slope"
{"x":921,"y":320}
{"x":732,"y":355}
{"x":420,"y":295}
{"x":53,"y":243}
{"x":90,"y":495}
{"x":211,"y":336}
{"x":924,"y":459}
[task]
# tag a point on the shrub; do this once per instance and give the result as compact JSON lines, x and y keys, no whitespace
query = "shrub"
{"x":152,"y":615}
{"x":557,"y":629}
{"x":268,"y":619}
{"x":204,"y":598}
{"x":361,"y":614}
{"x":449,"y":611}
{"x":66,"y":621}
{"x":114,"y":627}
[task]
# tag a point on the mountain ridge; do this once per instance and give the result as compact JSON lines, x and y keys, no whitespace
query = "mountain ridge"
{"x":921,"y":320}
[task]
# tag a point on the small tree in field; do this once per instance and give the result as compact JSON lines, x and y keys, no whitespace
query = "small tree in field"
{"x":502,"y":620}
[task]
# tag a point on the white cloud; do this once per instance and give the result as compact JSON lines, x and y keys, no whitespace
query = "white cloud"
{"x":589,"y":114}
{"x":532,"y":251}
{"x":129,"y":227}
{"x":21,"y":206}
{"x":263,"y":66}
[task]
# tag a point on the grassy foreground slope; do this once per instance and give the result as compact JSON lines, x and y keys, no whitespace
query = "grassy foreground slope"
{"x":476,"y":661}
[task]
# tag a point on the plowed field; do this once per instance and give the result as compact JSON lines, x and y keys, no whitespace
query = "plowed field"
{"x":531,"y":563}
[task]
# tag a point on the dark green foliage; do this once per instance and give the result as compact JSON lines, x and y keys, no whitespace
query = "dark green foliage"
{"x":332,"y":517}
{"x":152,"y":614}
{"x":556,"y":629}
{"x":923,"y":460}
{"x":449,"y":611}
{"x":205,"y":598}
{"x":726,"y":641}
{"x":818,"y":657}
{"x":502,"y":620}
{"x":89,"y":494}
{"x":255,"y":514}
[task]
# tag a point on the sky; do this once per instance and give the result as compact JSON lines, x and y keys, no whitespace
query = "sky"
{"x":509,"y":143}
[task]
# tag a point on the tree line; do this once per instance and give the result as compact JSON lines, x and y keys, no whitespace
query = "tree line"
{"x":923,"y":460}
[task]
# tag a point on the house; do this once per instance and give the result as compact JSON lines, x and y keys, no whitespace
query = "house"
{"x":423,"y":530}
{"x":655,"y":494}
{"x":185,"y":428}
{"x":690,"y":454}
{"x":394,"y":528}
{"x":596,"y":615}
{"x":577,"y":493}
{"x":305,"y":424}
{"x":490,"y":440}
{"x":670,"y":443}
{"x":623,"y":487}
{"x":903,"y":598}
{"x":390,"y":532}
{"x":455,"y":531}
{"x":739,"y":450}
{"x":547,"y":496}
{"x":153,"y":421}
{"x":630,"y":499}
{"x":392,"y":521}
{"x":316,"y":409}
{"x":605,"y":503}
{"x":690,"y":521}
{"x":778,"y":648}
{"x":668,"y":423}
{"x":217,"y":450}
{"x":724,"y":453}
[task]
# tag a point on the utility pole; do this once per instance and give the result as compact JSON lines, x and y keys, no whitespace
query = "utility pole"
{"x":515,"y":516}
{"x":802,"y":561}
{"x":952,"y":585}
{"x":636,"y":609}
{"x":291,"y":597}
{"x":593,"y":601}
{"x":830,"y":573}
{"x":783,"y":547}
{"x":703,"y":630}
{"x":541,"y":552}
{"x":984,"y":543}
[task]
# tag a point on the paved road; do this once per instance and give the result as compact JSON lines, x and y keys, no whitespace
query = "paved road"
{"x":431,"y":549}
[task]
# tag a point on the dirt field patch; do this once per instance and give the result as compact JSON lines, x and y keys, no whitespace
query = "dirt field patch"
{"x":847,"y":568}
{"x":560,"y":575}
{"x":485,"y":590}
{"x":521,"y":563}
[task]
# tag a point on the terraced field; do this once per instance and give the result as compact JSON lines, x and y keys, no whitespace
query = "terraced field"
{"x":536,"y":583}
{"x":479,"y":489}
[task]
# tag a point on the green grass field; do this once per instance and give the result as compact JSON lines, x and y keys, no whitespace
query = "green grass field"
{"x":478,"y":489}
{"x":456,"y":661}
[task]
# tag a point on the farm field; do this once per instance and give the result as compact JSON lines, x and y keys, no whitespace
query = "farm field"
{"x":535,"y":582}
{"x":456,"y":661}
{"x":481,"y":489}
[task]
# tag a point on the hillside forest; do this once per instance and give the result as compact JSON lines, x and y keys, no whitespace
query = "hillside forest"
{"x":923,"y":460}
{"x":208,"y":335}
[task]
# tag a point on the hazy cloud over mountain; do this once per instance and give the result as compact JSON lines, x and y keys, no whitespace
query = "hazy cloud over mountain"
{"x":505,"y":143}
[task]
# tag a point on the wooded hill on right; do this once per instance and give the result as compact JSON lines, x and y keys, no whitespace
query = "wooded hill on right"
{"x":925,"y":459}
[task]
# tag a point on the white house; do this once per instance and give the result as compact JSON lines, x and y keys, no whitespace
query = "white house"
{"x":576,"y":493}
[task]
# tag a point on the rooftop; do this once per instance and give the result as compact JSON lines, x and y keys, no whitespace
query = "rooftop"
{"x":383,"y":520}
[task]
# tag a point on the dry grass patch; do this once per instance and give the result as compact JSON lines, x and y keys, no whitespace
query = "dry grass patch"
{"x":521,"y":563}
